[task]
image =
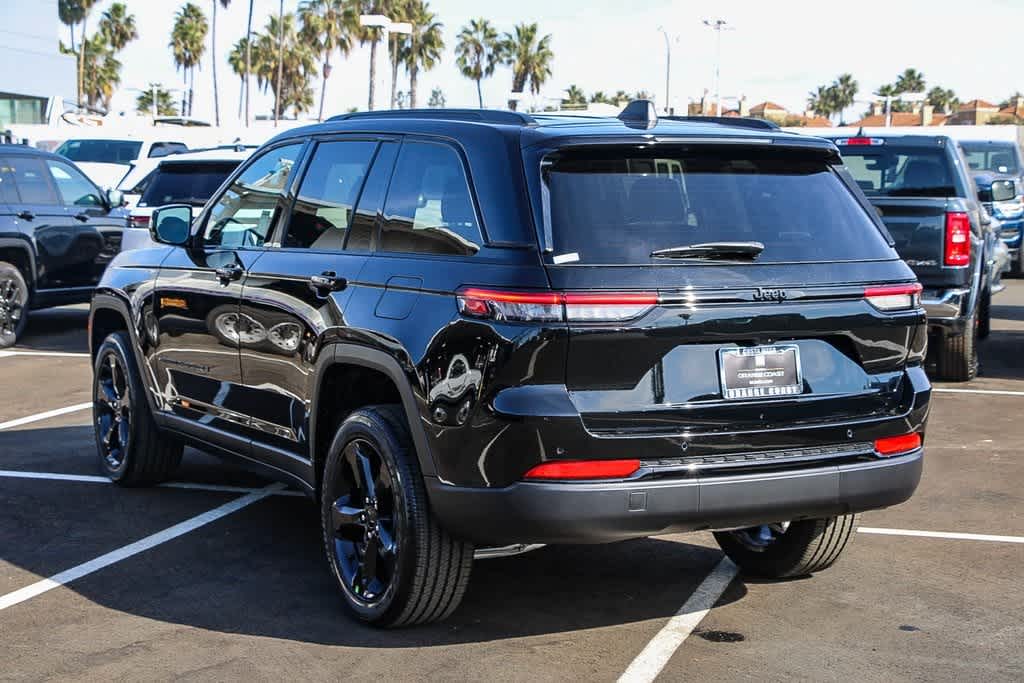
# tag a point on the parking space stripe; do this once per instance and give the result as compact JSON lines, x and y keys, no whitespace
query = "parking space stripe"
{"x":44,"y":416}
{"x":990,"y":392}
{"x":123,"y":553}
{"x":54,"y":354}
{"x":92,"y":479}
{"x":649,"y":663}
{"x":954,"y":535}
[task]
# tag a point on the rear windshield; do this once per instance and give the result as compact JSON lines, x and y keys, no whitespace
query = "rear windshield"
{"x":185,"y":183}
{"x":885,"y":171}
{"x":994,"y":157}
{"x":101,"y":151}
{"x":617,"y":208}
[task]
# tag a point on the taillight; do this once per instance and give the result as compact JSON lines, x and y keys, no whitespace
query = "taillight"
{"x":958,"y":239}
{"x":860,"y":141}
{"x":554,"y":306}
{"x":896,"y":445}
{"x":894,"y":297}
{"x":583,"y":469}
{"x":138,"y":221}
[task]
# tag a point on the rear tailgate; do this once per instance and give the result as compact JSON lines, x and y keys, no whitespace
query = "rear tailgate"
{"x":918,"y":226}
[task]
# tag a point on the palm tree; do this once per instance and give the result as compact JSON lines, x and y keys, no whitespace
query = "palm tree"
{"x":621,"y":96}
{"x":823,"y":101}
{"x":846,"y":92}
{"x":213,"y":57}
{"x":911,"y":80}
{"x":248,"y":61}
{"x":101,"y":71}
{"x":327,"y":26}
{"x":478,"y":52}
{"x":530,"y":58}
{"x":437,"y":99}
{"x":164,"y":102}
{"x":372,"y":35}
{"x":600,"y":98}
{"x":942,"y":98}
{"x":423,"y":47}
{"x":237,"y":61}
{"x":72,"y":12}
{"x":283,"y":62}
{"x":575,"y":97}
{"x":118,"y":27}
{"x":188,"y":42}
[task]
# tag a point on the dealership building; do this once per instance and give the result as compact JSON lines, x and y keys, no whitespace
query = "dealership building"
{"x":36,"y":77}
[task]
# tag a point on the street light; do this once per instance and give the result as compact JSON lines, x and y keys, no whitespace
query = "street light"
{"x":718,"y":25}
{"x":388,"y":27}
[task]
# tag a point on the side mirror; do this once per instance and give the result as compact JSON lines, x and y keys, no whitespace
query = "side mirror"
{"x":171,"y":224}
{"x":115,"y":198}
{"x":1003,"y":190}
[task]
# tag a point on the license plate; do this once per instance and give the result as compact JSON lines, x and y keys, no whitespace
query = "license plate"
{"x":760,"y":372}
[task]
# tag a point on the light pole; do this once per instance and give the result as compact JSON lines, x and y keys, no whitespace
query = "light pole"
{"x":388,"y":27}
{"x":668,"y":69}
{"x":718,"y":25}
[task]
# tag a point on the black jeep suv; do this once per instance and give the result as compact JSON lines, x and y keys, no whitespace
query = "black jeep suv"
{"x":459,"y":329}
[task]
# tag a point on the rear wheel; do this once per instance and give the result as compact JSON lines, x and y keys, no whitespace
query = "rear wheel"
{"x":958,"y":355}
{"x":132,"y":450}
{"x":394,"y":564}
{"x":788,"y":549}
{"x":13,"y":304}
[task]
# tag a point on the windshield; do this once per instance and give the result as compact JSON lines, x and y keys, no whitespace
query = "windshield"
{"x":101,"y":151}
{"x":995,"y":157}
{"x":185,"y":183}
{"x":900,"y":172}
{"x":612,"y":208}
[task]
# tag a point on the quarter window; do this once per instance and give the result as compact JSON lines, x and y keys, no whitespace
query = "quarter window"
{"x":329,"y":190}
{"x":75,"y":189}
{"x":429,"y":209}
{"x":248,"y":210}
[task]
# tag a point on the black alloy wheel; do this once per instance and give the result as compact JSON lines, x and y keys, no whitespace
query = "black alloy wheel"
{"x":366,"y":536}
{"x":113,"y":411}
{"x":13,"y":304}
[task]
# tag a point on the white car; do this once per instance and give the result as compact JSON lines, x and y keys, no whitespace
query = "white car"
{"x":106,"y":159}
{"x":190,"y":178}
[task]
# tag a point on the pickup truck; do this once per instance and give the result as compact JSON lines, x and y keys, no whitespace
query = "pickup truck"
{"x":922,"y":188}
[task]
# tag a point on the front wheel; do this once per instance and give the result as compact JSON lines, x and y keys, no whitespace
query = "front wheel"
{"x":394,"y":564}
{"x":788,"y":549}
{"x":13,"y":304}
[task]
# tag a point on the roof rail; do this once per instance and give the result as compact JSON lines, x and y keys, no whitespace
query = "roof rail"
{"x":736,"y":121}
{"x":501,"y":116}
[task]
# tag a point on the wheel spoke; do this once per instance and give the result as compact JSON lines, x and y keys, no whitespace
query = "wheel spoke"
{"x":370,"y":561}
{"x":352,"y":460}
{"x":387,"y":540}
{"x":112,"y":362}
{"x":346,"y":520}
{"x":122,"y":434}
{"x":366,"y":468}
{"x":109,"y":436}
{"x":106,"y":397}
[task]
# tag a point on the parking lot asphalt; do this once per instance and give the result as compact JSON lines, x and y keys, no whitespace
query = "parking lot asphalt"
{"x":173,"y":582}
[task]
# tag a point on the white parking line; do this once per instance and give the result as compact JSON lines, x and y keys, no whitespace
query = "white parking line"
{"x":990,"y":392}
{"x":954,"y":535}
{"x":44,"y":416}
{"x":653,"y":658}
{"x":55,"y":354}
{"x":92,"y":479}
{"x":114,"y":556}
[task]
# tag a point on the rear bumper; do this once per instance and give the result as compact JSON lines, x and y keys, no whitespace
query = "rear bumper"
{"x":533,"y":512}
{"x":945,"y":309}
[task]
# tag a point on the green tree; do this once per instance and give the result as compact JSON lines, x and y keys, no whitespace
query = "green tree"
{"x":1011,"y":100}
{"x":71,"y":13}
{"x":213,"y":57}
{"x":621,"y":98}
{"x":574,"y":97}
{"x":478,"y":52}
{"x":327,"y":27}
{"x":942,"y":98}
{"x":285,"y":64}
{"x":118,"y":27}
{"x":530,"y":57}
{"x":911,"y":80}
{"x":101,"y":71}
{"x":437,"y":99}
{"x":188,"y":43}
{"x":237,"y":61}
{"x":600,"y":98}
{"x":422,"y":49}
{"x":371,"y":35}
{"x":846,"y":89}
{"x":823,"y":101}
{"x":164,"y":102}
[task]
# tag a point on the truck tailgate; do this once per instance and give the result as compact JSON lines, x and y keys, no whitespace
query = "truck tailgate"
{"x":917,"y":225}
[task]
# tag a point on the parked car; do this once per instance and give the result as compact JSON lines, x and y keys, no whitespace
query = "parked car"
{"x":106,"y":159}
{"x":189,"y":178}
{"x":658,"y":326}
{"x":1003,"y":198}
{"x":922,"y":187}
{"x":141,"y":171}
{"x":58,"y":232}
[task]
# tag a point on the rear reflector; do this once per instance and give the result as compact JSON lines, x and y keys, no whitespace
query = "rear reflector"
{"x":554,"y":306}
{"x":894,"y":297}
{"x":583,"y":469}
{"x":958,"y":239}
{"x":894,"y":445}
{"x":138,"y":221}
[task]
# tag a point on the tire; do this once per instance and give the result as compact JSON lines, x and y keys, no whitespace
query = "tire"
{"x":985,"y":315}
{"x":958,"y":355}
{"x":143,"y":455}
{"x":14,"y":296}
{"x":806,"y":547}
{"x":424,"y":575}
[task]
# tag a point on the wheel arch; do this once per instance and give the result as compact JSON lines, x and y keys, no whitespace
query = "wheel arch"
{"x":23,"y":257}
{"x":110,"y":313}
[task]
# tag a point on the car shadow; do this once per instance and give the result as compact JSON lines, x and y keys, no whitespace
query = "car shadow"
{"x":57,"y":329}
{"x":261,"y":571}
{"x":1000,"y":355}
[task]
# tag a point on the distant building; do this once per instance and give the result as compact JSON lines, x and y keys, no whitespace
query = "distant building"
{"x":770,"y":111}
{"x":974,"y":113}
{"x":34,"y":73}
{"x":924,"y":116}
{"x":765,"y":110}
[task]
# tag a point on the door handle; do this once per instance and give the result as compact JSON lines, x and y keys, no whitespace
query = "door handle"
{"x":226,"y":274}
{"x":84,"y":217}
{"x":327,"y":282}
{"x":26,"y":215}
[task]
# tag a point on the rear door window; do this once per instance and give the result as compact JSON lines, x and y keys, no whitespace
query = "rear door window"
{"x":608,"y":207}
{"x":185,"y":183}
{"x":892,"y":171}
{"x":32,"y":180}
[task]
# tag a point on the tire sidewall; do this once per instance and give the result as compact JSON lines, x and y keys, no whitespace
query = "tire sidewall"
{"x":369,"y":426}
{"x":9,"y":270}
{"x":117,"y":344}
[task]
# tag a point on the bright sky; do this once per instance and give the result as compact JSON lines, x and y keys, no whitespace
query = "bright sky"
{"x":778,"y":51}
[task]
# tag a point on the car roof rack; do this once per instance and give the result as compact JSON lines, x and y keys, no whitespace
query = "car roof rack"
{"x":498,"y":116}
{"x":736,"y":121}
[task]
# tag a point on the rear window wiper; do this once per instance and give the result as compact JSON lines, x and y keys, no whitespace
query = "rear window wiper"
{"x":712,"y":250}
